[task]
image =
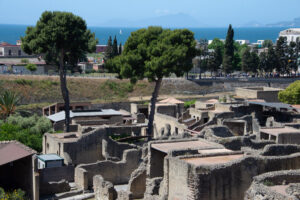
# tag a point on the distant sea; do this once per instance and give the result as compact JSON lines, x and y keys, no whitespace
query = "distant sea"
{"x":12,"y":33}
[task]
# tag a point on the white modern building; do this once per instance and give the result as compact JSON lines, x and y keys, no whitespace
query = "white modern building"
{"x":241,"y":42}
{"x":258,"y":43}
{"x":291,"y":34}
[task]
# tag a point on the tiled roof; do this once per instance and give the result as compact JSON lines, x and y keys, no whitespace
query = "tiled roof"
{"x":5,"y":44}
{"x":13,"y":150}
{"x":296,"y":106}
{"x":212,"y":101}
{"x":171,"y":100}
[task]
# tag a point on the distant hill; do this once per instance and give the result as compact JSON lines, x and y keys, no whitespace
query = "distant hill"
{"x":293,"y":23}
{"x":173,"y":20}
{"x":253,"y":24}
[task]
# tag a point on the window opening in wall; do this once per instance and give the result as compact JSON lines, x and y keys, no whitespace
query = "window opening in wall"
{"x":205,"y":120}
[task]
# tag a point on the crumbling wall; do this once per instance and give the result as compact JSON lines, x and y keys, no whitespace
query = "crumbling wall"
{"x":288,"y":138}
{"x":280,"y":150}
{"x":261,"y":186}
{"x":52,"y":187}
{"x":114,"y":150}
{"x":268,"y":96}
{"x":50,"y":144}
{"x":223,"y":181}
{"x":156,"y":162}
{"x":124,"y":129}
{"x":114,"y":172}
{"x":179,"y":180}
{"x":160,"y":122}
{"x":222,"y":135}
{"x":103,"y":190}
{"x":246,"y":93}
{"x":166,"y":109}
{"x":56,"y":174}
{"x":137,"y":182}
{"x":86,"y":149}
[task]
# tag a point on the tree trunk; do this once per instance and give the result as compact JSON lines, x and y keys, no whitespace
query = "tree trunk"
{"x":64,"y":90}
{"x":152,"y":111}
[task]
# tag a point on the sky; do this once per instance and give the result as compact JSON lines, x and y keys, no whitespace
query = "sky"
{"x":207,"y":13}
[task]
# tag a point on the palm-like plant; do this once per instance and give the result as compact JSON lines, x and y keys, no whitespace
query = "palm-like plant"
{"x":8,"y":103}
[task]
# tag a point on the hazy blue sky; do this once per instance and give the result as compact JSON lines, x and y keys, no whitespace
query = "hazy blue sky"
{"x":206,"y":12}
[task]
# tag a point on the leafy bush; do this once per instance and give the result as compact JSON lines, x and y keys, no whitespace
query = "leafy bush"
{"x":268,"y":183}
{"x":31,"y":67}
{"x":48,"y":83}
{"x":35,"y":123}
{"x":291,"y":94}
{"x":14,"y":195}
{"x":23,"y":82}
{"x":89,"y":71}
{"x":188,"y":104}
{"x":28,"y":131}
{"x":24,"y":60}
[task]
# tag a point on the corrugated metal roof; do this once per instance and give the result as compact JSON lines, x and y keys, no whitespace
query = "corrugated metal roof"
{"x":13,"y":150}
{"x":104,"y":112}
{"x":49,"y":157}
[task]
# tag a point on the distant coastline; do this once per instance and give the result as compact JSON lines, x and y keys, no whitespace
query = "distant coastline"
{"x":11,"y":33}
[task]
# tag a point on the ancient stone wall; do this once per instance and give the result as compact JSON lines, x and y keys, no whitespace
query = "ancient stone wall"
{"x":223,"y":181}
{"x":237,"y":127}
{"x":113,"y":149}
{"x":104,"y":190}
{"x":166,"y":109}
{"x":280,"y":150}
{"x":265,"y":185}
{"x":160,"y":122}
{"x":246,"y":93}
{"x":114,"y":172}
{"x":53,"y":187}
{"x":268,"y":95}
{"x":86,"y":149}
{"x":125,"y":129}
{"x":56,"y":174}
{"x":179,"y":180}
{"x":137,"y":182}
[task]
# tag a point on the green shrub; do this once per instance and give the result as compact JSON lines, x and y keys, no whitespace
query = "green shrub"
{"x":31,"y":67}
{"x":24,"y":60}
{"x":291,"y":94}
{"x":23,"y":82}
{"x":188,"y":104}
{"x":35,"y":123}
{"x":27,"y":130}
{"x":48,"y":83}
{"x":117,"y":137}
{"x":17,"y":194}
{"x":268,"y":183}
